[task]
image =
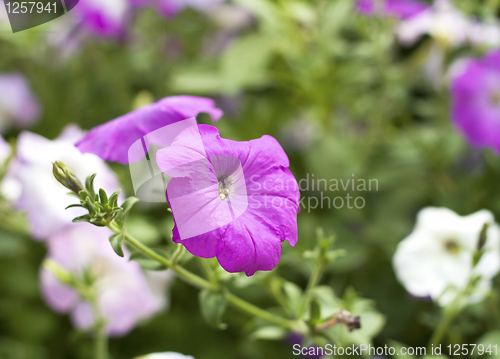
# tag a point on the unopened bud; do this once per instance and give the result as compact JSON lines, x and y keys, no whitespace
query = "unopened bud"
{"x":66,"y":178}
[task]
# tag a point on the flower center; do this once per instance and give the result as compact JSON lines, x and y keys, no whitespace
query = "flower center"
{"x":495,"y":98}
{"x":451,"y":246}
{"x":225,"y":184}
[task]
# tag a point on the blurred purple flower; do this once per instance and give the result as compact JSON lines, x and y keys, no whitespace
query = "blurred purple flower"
{"x":402,"y":9}
{"x":18,"y":104}
{"x":475,"y":90}
{"x":112,"y":140}
{"x":107,"y":18}
{"x":125,"y":294}
{"x":32,"y":188}
{"x":234,"y":200}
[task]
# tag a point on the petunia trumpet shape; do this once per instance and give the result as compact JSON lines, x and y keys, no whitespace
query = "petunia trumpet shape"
{"x":112,"y":140}
{"x":475,"y":90}
{"x":436,"y":259}
{"x":234,"y":200}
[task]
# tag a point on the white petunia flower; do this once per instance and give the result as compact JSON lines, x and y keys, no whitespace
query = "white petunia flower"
{"x":449,"y":26}
{"x":442,"y":21}
{"x":166,"y":355}
{"x":436,"y":259}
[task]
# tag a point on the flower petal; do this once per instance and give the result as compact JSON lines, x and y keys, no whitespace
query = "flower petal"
{"x":112,"y":140}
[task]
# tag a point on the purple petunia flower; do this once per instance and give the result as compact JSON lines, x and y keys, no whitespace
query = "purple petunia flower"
{"x":125,"y":294}
{"x":112,"y":140}
{"x":475,"y":90}
{"x":402,"y":9}
{"x":234,"y":200}
{"x":107,"y":18}
{"x":18,"y":104}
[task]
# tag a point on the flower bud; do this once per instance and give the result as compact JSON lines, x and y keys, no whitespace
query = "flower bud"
{"x":66,"y":178}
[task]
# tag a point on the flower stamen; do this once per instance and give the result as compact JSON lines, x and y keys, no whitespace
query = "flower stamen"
{"x":451,"y":246}
{"x":225,"y":183}
{"x":495,"y":98}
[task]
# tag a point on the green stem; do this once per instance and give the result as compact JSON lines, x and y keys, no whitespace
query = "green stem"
{"x":179,"y":250}
{"x":101,"y":340}
{"x":208,"y":271}
{"x":249,"y":308}
{"x":442,"y":327}
{"x":313,"y":282}
{"x":186,"y":275}
{"x":201,"y":283}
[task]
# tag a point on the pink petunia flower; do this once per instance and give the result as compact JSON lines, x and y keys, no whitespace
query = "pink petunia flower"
{"x":234,"y":200}
{"x":125,"y":294}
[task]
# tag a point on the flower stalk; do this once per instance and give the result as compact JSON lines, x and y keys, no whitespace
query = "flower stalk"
{"x":87,"y":292}
{"x":201,"y":283}
{"x":104,"y":211}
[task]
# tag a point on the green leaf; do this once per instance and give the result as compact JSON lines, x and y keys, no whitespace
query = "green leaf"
{"x":116,"y":241}
{"x":491,"y":338}
{"x":127,"y":206}
{"x":315,"y":310}
{"x":213,"y":306}
{"x":113,"y":200}
{"x":294,"y":296}
{"x":84,"y":218}
{"x":146,"y":262}
{"x":73,"y":194}
{"x":269,"y":333}
{"x":89,"y":185}
{"x":74,"y":205}
{"x":103,"y":196}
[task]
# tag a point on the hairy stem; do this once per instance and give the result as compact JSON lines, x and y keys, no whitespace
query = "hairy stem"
{"x":100,"y":340}
{"x":201,"y":283}
{"x":184,"y":274}
{"x":313,"y":282}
